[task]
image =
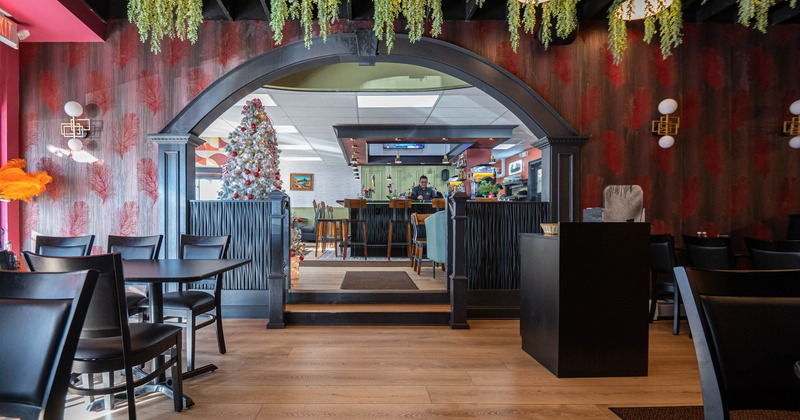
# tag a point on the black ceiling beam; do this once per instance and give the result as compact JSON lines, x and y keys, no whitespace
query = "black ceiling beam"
{"x":458,"y":149}
{"x":592,"y":8}
{"x":713,"y":8}
{"x":470,"y":9}
{"x":783,"y":13}
{"x":346,"y":10}
{"x":225,"y":10}
{"x":388,"y":131}
{"x":406,"y":160}
{"x":265,"y":8}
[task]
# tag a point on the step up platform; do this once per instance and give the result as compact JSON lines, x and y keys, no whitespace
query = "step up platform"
{"x":367,"y":314}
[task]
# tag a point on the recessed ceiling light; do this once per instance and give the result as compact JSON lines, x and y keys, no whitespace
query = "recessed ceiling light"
{"x":300,"y":158}
{"x":504,"y":146}
{"x":295,"y":147}
{"x":285,"y":129}
{"x":397,"y":101}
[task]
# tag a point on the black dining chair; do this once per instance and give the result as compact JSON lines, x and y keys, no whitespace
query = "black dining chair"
{"x":711,"y":253}
{"x":663,"y":286}
{"x":190,"y":304}
{"x":135,"y":248}
{"x":108,"y":344}
{"x":774,"y":255}
{"x":64,"y":246}
{"x":44,"y":312}
{"x":744,"y":326}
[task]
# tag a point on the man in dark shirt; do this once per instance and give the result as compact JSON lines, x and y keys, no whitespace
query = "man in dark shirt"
{"x":421,"y":192}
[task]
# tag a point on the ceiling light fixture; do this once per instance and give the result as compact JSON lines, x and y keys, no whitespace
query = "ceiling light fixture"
{"x":397,"y":159}
{"x":397,"y":101}
{"x":445,"y":160}
{"x":504,"y":146}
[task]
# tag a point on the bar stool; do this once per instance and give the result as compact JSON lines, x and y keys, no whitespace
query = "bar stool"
{"x":359,"y":204}
{"x":438,"y":204}
{"x":486,"y":199}
{"x":420,"y":241}
{"x":328,"y":230}
{"x":399,"y":204}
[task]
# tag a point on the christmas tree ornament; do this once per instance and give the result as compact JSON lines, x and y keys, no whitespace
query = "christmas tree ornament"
{"x":235,"y":195}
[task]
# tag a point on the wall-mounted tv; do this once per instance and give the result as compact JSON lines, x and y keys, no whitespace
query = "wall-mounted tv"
{"x":403,"y":145}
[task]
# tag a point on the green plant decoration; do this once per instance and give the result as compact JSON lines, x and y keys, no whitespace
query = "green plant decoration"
{"x":414,"y":11}
{"x":565,"y":13}
{"x":156,"y":19}
{"x":669,"y":22}
{"x":758,"y":10}
{"x":283,"y":10}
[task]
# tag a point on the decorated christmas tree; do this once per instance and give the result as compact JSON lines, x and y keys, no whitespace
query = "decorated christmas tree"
{"x":296,"y":247}
{"x":251,"y":171}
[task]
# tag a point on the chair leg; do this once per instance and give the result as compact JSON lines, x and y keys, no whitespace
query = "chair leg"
{"x":190,"y":341}
{"x":676,"y":313}
{"x":364,"y":233}
{"x":129,"y":390}
{"x":408,"y":240}
{"x":177,"y":373}
{"x":413,"y":252}
{"x":87,"y":379}
{"x":345,"y":239}
{"x":389,"y":244}
{"x":108,"y":382}
{"x":220,"y":334}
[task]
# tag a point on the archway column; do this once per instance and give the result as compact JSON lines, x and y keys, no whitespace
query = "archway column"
{"x":561,"y":180}
{"x":176,"y":186}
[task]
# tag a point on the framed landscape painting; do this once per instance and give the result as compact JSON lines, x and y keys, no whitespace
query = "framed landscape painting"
{"x":301,"y":182}
{"x":515,"y":167}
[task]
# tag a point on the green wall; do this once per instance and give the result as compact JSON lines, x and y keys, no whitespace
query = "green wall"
{"x":403,"y":176}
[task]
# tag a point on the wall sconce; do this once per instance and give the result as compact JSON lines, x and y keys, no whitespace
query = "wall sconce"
{"x":792,"y":127}
{"x":666,"y":126}
{"x":397,"y":159}
{"x":77,"y":128}
{"x":445,"y":160}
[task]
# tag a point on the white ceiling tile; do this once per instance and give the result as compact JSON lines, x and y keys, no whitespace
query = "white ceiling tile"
{"x":464,"y":91}
{"x":394,"y":112}
{"x":390,"y":120}
{"x":468,"y":101}
{"x":320,"y":110}
{"x":330,"y":99}
{"x":312,"y":120}
{"x":315,"y":129}
{"x":491,"y":113}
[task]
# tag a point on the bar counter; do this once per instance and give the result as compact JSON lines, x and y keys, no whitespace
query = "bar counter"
{"x":377,"y":214}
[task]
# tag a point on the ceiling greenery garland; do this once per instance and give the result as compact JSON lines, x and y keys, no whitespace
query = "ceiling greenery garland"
{"x":158,"y":18}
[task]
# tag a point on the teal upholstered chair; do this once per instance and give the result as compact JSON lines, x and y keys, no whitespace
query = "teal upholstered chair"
{"x":436,"y":229}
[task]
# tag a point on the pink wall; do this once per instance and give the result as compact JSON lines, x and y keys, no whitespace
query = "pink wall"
{"x":9,"y":135}
{"x":533,"y":154}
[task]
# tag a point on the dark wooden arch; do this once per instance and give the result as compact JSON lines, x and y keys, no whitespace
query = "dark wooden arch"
{"x":179,"y":138}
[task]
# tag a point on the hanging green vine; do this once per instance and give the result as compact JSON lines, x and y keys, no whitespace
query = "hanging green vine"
{"x":758,"y":10}
{"x":283,"y":10}
{"x":565,"y":13}
{"x":669,"y":21}
{"x":156,"y":19}
{"x":415,"y":12}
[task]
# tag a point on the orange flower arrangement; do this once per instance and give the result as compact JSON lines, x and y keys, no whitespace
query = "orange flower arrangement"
{"x":16,"y":184}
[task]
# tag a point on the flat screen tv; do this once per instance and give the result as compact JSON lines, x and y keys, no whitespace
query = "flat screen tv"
{"x":403,"y":145}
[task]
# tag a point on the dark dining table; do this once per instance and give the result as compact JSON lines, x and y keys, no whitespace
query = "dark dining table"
{"x":158,"y":272}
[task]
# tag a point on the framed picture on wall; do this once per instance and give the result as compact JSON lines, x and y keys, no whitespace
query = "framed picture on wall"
{"x":515,"y":167}
{"x":301,"y":182}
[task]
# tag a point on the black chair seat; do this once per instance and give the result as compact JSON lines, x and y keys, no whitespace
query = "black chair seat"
{"x":186,"y":300}
{"x":145,"y":339}
{"x":133,"y":299}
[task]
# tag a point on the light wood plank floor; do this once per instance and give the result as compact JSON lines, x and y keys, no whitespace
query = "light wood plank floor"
{"x":417,"y":372}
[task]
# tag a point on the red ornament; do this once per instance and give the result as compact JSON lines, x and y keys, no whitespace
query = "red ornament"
{"x":292,"y":255}
{"x":235,"y":195}
{"x":246,"y":107}
{"x":247,"y":182}
{"x":247,"y":172}
{"x":277,"y":177}
{"x":234,"y":154}
{"x":244,"y":128}
{"x":299,"y":220}
{"x":302,"y":258}
{"x":249,"y":196}
{"x":278,"y":187}
{"x":256,"y":174}
{"x":253,"y":126}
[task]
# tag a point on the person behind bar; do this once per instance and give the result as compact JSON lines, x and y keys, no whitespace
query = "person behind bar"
{"x":421,"y":192}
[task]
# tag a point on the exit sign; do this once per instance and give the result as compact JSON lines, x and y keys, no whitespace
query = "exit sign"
{"x":8,"y":32}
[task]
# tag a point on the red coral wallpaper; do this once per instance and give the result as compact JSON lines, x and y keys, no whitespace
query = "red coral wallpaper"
{"x":730,"y":168}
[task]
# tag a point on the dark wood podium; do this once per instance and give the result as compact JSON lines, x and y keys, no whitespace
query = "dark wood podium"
{"x":583,"y":299}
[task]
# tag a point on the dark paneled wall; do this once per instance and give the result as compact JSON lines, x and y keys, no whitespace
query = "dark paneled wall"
{"x":731,"y":171}
{"x":493,"y":241}
{"x":248,"y":224}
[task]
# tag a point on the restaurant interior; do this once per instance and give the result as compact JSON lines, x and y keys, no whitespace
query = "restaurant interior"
{"x":420,"y":208}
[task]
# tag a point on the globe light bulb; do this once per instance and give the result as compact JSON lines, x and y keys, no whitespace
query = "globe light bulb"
{"x":75,"y":144}
{"x":794,"y":143}
{"x":73,"y":109}
{"x":666,"y":142}
{"x":668,"y":106}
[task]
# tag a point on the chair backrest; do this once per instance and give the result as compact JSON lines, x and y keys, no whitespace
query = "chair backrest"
{"x":108,"y":311}
{"x":436,"y":230}
{"x":710,"y":253}
{"x":59,"y":246}
{"x":437,"y":203}
{"x":774,"y":255}
{"x":194,"y":247}
{"x":399,"y":203}
{"x":418,"y":225}
{"x":793,"y":229}
{"x":662,"y":254}
{"x":135,"y":247}
{"x":744,"y":326}
{"x":41,"y":316}
{"x":355,"y":203}
{"x":486,"y":199}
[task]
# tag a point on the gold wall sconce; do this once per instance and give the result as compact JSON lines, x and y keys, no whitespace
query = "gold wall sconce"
{"x":792,"y":127}
{"x":666,"y":126}
{"x":76,"y":128}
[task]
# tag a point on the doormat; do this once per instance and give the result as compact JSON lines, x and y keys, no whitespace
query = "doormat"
{"x":377,"y":280}
{"x":696,"y":413}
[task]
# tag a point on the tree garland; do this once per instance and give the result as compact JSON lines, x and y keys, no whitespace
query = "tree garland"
{"x":669,"y":21}
{"x":565,"y":13}
{"x":156,"y":19}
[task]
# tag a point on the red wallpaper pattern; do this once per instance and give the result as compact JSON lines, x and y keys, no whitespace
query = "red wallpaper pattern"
{"x":730,"y":169}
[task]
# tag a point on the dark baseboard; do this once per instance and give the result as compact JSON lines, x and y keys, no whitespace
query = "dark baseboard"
{"x":367,"y":318}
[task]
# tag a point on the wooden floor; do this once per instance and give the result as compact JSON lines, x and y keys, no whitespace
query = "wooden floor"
{"x":415,"y":372}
